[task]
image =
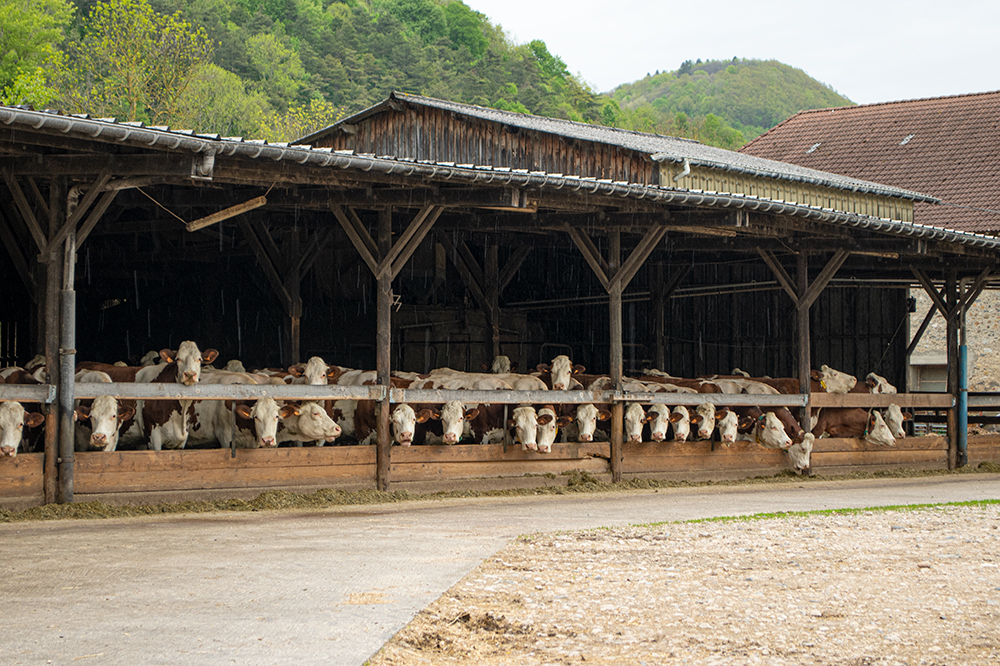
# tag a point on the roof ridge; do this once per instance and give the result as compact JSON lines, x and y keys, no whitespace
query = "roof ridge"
{"x":897,"y":101}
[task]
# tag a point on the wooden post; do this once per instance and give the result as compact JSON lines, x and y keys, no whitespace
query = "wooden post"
{"x":491,"y":287}
{"x":293,"y":284}
{"x":804,"y":342}
{"x":951,"y":294}
{"x":53,"y":283}
{"x":383,"y":339}
{"x":66,"y":370}
{"x":615,"y":354}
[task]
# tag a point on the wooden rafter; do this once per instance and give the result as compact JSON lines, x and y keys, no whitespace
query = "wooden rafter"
{"x":26,"y":213}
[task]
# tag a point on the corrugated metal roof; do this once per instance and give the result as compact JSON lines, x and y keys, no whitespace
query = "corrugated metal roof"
{"x":158,"y":139}
{"x":945,"y":146}
{"x":660,"y":148}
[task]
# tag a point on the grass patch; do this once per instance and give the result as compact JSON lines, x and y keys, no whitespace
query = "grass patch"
{"x":577,"y":481}
{"x":842,"y":512}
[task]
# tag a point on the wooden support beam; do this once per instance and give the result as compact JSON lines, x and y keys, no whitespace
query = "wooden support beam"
{"x":81,"y":209}
{"x":362,"y":230}
{"x":358,"y":238}
{"x":639,"y":256}
{"x":467,"y":275}
{"x":513,"y":265}
{"x":590,"y":254}
{"x":804,"y":339}
{"x":920,"y":331}
{"x":42,"y":203}
{"x":16,"y":257}
{"x":267,"y":242}
{"x":822,"y":280}
{"x":616,"y":355}
{"x":472,"y":263}
{"x":928,"y":286}
{"x":226,"y":213}
{"x":95,"y":215}
{"x":26,"y":213}
{"x":408,"y":243}
{"x":383,"y":356}
{"x":491,"y":288}
{"x":270,"y":271}
{"x":953,"y":304}
{"x":780,"y":273}
{"x":316,"y":247}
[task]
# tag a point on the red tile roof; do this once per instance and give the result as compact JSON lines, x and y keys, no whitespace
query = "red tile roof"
{"x":948,"y":147}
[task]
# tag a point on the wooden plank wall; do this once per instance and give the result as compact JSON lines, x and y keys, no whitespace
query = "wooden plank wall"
{"x":194,"y":472}
{"x":434,"y":134}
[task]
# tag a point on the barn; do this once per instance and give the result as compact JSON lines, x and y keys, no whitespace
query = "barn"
{"x":423,"y":233}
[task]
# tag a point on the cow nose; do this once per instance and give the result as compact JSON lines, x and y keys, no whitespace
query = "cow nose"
{"x":267,"y":441}
{"x":635,"y":438}
{"x":98,"y":438}
{"x":657,"y":436}
{"x":586,"y":438}
{"x":7,"y":451}
{"x":450,"y":438}
{"x":189,"y":377}
{"x":559,"y":387}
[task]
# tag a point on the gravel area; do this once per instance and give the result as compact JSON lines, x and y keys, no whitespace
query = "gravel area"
{"x":869,"y":588}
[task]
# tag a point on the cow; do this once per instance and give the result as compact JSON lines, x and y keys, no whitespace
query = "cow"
{"x":854,"y":422}
{"x":315,"y":372}
{"x":585,"y":423}
{"x":635,"y":419}
{"x":165,"y":423}
{"x":769,"y":432}
{"x":308,"y":422}
{"x":894,"y":419}
{"x":523,"y":424}
{"x":704,"y":418}
{"x":501,"y":365}
{"x":104,"y":415}
{"x":404,"y":421}
{"x":557,"y":375}
{"x":13,"y":419}
{"x":727,"y":424}
{"x":548,"y":427}
{"x":878,"y":384}
{"x":257,"y":425}
{"x":832,"y":381}
{"x":214,"y":421}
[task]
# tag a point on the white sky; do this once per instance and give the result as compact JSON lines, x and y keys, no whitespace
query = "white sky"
{"x":868,"y":51}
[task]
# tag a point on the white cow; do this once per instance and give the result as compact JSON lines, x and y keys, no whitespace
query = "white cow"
{"x":659,"y":418}
{"x":548,"y":427}
{"x":704,"y":418}
{"x":524,"y":422}
{"x":308,"y":422}
{"x":587,"y":416}
{"x":727,"y":423}
{"x":501,"y":365}
{"x":264,"y":417}
{"x":13,"y":420}
{"x":834,"y":381}
{"x":878,"y":432}
{"x":635,"y":419}
{"x":879,"y":384}
{"x":894,"y":420}
{"x":315,"y":372}
{"x":562,"y":370}
{"x":98,"y":421}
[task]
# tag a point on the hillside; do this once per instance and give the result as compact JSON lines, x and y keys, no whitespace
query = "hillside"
{"x":280,"y":69}
{"x":749,"y":96}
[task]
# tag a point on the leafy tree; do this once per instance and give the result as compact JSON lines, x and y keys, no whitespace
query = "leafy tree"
{"x":300,"y":121}
{"x":280,"y":70}
{"x":137,"y":64}
{"x":218,"y":101}
{"x":465,"y":28}
{"x":31,"y":33}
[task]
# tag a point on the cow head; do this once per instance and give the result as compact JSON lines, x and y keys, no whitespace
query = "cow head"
{"x":635,"y":419}
{"x":453,"y":416}
{"x":894,"y":419}
{"x":834,"y":381}
{"x":680,"y":421}
{"x":13,"y":419}
{"x":403,"y":421}
{"x":524,"y":423}
{"x":798,"y":454}
{"x":658,"y":418}
{"x":106,"y":417}
{"x":501,"y":365}
{"x":726,"y":422}
{"x":188,"y":359}
{"x":878,"y":384}
{"x":266,"y":414}
{"x":877,"y":432}
{"x":315,"y":371}
{"x":548,"y":428}
{"x":706,"y":424}
{"x":562,"y":369}
{"x":235,"y":365}
{"x":587,"y":417}
{"x":313,"y":423}
{"x":771,"y":433}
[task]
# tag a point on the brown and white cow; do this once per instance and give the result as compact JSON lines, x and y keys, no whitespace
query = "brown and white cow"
{"x":894,"y":419}
{"x":548,"y":427}
{"x":315,"y":372}
{"x":854,"y":422}
{"x":308,"y":422}
{"x":13,"y":422}
{"x":99,"y":421}
{"x":558,"y":375}
{"x":257,"y":425}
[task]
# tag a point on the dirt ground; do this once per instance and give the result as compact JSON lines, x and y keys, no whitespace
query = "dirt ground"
{"x":861,"y":589}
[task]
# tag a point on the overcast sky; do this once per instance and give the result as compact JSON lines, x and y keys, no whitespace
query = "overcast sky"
{"x":868,"y":51}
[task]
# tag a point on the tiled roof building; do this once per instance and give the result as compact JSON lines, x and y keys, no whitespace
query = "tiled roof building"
{"x":947,"y":147}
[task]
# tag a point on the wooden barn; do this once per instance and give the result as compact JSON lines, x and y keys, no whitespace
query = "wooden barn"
{"x":423,"y":233}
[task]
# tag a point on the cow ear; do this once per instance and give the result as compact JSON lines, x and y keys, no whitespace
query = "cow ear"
{"x":471,"y":413}
{"x":675,"y":417}
{"x":298,"y":369}
{"x":696,"y":419}
{"x":577,"y":369}
{"x":168,"y":356}
{"x":33,"y":419}
{"x":564,"y":421}
{"x":542,"y":367}
{"x":243,"y":411}
{"x":484,"y":367}
{"x":652,"y":416}
{"x":511,"y":423}
{"x":82,"y":412}
{"x":907,"y":416}
{"x":332,"y":371}
{"x":424,"y":415}
{"x":125,"y":412}
{"x":289,"y":410}
{"x":544,"y":419}
{"x":209,"y":355}
{"x":603,"y":415}
{"x":816,"y":374}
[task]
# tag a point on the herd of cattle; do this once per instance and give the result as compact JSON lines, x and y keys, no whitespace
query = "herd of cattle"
{"x":107,"y":424}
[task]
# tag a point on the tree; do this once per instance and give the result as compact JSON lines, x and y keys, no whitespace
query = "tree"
{"x":279,"y":68}
{"x":137,"y":64}
{"x":218,"y":101}
{"x":31,"y":32}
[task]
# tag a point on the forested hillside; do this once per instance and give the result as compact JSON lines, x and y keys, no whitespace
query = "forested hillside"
{"x":279,"y":69}
{"x":729,"y":102}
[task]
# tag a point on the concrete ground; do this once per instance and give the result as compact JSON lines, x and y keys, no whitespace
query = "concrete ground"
{"x":325,"y":587}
